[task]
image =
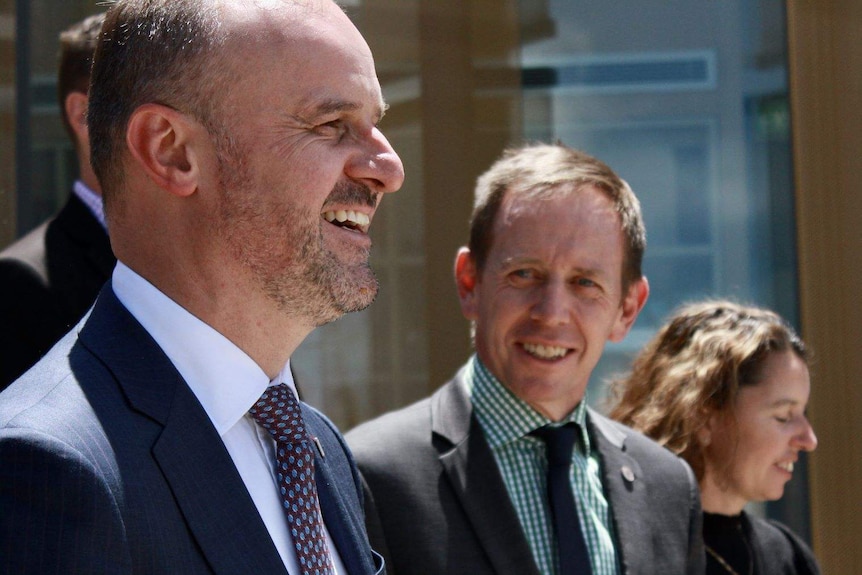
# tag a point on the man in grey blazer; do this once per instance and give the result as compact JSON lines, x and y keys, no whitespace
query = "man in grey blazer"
{"x":241,"y":165}
{"x":460,"y":483}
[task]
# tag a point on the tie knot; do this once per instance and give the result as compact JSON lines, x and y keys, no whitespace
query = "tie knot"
{"x":278,"y":412}
{"x":559,"y":442}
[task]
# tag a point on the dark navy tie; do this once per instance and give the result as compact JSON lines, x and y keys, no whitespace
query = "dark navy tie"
{"x":574,"y":559}
{"x":279,"y":413}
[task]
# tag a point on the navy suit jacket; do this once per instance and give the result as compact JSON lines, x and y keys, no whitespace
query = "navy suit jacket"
{"x":109,"y":464}
{"x":48,"y":281}
{"x":437,"y":504}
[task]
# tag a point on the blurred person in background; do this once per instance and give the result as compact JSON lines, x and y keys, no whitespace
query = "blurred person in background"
{"x":726,"y":386}
{"x":51,"y":277}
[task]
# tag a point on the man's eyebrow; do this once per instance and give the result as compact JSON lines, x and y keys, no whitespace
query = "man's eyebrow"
{"x":331,"y":106}
{"x":518,"y":261}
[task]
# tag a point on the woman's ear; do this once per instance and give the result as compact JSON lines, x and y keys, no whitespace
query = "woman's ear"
{"x":162,"y":142}
{"x":704,"y":436}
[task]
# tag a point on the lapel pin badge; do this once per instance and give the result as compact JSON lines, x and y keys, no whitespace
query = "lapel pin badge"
{"x":627,"y":473}
{"x":319,"y":447}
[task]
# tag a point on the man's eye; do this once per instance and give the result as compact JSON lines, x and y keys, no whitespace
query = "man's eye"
{"x":585,"y":282}
{"x":523,"y":274}
{"x":335,"y":126}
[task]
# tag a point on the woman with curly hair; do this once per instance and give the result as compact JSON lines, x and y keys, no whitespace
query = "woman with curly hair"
{"x":725,"y":386}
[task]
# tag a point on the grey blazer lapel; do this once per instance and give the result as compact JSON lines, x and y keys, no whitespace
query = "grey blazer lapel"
{"x":476,"y":481}
{"x":625,"y":489}
{"x":207,"y":487}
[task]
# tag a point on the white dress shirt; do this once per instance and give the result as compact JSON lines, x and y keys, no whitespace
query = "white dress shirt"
{"x":92,"y":200}
{"x":227,"y":382}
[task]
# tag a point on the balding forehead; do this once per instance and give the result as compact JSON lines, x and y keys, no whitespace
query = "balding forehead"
{"x":272,"y":22}
{"x":257,"y":12}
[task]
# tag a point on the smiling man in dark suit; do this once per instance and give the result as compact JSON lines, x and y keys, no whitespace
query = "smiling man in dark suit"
{"x":505,"y":470}
{"x":51,"y":276}
{"x":238,"y":148}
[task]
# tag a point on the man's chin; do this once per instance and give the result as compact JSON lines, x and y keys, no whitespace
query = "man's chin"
{"x":349,"y":299}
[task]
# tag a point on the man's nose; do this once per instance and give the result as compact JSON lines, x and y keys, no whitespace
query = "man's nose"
{"x":553,"y":305}
{"x":378,"y":166}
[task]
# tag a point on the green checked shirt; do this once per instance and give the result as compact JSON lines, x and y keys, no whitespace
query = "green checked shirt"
{"x":507,"y":422}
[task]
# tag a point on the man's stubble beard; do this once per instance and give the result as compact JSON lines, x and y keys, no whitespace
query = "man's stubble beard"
{"x":285,"y":251}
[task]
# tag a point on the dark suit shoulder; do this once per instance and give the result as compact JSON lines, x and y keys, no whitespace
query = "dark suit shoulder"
{"x":48,"y":281}
{"x":655,"y":500}
{"x":27,"y":251}
{"x":646,"y":451}
{"x":28,"y":315}
{"x":48,"y":396}
{"x":779,"y":549}
{"x":55,"y":455}
{"x":383,"y":440}
{"x":56,"y":471}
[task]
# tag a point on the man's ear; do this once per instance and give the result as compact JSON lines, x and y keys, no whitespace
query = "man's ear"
{"x":632,"y":305}
{"x":161,"y":140}
{"x":466,"y":279}
{"x":75,"y":106}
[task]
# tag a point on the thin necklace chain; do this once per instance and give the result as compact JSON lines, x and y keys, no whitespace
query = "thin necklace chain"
{"x":721,"y":561}
{"x":724,"y":563}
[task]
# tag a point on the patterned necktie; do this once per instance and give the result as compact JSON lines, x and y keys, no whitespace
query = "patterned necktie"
{"x":278,"y":412}
{"x":574,"y":559}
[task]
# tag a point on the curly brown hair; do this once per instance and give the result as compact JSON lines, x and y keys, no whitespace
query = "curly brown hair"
{"x":694,"y":367}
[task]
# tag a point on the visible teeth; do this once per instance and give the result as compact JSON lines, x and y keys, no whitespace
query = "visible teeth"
{"x":545,"y":351}
{"x":347,"y":216}
{"x":788,"y":467}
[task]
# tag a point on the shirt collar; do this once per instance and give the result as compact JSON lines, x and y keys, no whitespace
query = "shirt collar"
{"x":504,"y":416}
{"x":224,"y":378}
{"x":92,"y":200}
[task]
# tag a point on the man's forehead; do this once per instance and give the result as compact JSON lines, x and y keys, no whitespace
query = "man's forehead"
{"x":575,"y":202}
{"x":273,"y":20}
{"x":581,"y":220}
{"x":254,"y":10}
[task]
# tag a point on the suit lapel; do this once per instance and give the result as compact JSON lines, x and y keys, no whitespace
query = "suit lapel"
{"x":476,"y":481}
{"x":212,"y":496}
{"x":218,"y":510}
{"x":344,"y":525}
{"x":626,"y":493}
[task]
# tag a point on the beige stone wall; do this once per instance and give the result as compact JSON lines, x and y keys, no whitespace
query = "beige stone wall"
{"x":826,"y":96}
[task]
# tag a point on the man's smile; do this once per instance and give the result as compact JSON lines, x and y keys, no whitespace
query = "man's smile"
{"x":349,"y":219}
